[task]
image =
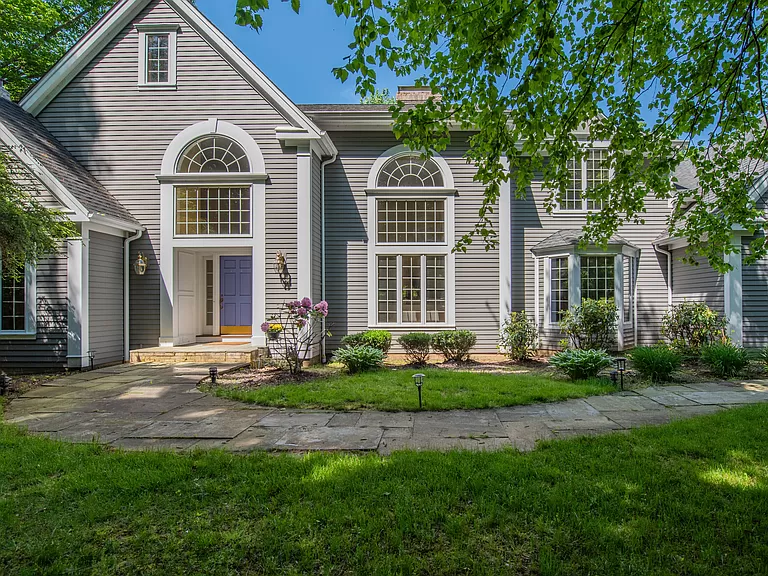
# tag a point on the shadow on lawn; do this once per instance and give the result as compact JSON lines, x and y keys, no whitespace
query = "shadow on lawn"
{"x":685,"y":498}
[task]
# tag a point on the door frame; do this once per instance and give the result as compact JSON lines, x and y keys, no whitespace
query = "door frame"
{"x":215,"y":255}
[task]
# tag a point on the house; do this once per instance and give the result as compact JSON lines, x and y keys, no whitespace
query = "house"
{"x":205,"y":199}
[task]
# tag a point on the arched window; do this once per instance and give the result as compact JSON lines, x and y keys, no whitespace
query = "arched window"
{"x":410,"y":171}
{"x":213,"y":154}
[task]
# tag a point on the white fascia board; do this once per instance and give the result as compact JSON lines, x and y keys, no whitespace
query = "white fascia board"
{"x":81,"y":54}
{"x":295,"y":137}
{"x":116,"y":224}
{"x":78,"y":211}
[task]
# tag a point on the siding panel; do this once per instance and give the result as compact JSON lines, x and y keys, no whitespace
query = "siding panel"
{"x":105,"y":298}
{"x":120,"y":133}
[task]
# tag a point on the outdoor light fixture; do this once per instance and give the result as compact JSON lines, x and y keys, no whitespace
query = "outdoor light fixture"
{"x":621,"y":367}
{"x":418,"y":379}
{"x":279,"y":264}
{"x":214,"y":373}
{"x":141,"y":264}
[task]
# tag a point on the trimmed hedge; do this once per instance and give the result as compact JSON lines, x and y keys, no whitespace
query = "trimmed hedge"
{"x":454,"y":345}
{"x":381,"y":339}
{"x":416,"y":346}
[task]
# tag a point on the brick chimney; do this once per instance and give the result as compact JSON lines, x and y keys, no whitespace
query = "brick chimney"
{"x":412,"y":95}
{"x":4,"y":94}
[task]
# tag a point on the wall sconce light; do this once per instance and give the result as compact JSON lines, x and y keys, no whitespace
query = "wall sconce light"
{"x":141,"y":264}
{"x":279,"y":264}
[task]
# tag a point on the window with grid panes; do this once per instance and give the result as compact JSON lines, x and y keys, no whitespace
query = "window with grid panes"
{"x":558,"y":286}
{"x":213,"y":211}
{"x":13,"y":303}
{"x":597,"y":277}
{"x":158,"y":58}
{"x":584,"y":174}
{"x":411,"y":221}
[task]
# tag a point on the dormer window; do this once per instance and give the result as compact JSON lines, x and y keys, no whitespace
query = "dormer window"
{"x":157,"y":55}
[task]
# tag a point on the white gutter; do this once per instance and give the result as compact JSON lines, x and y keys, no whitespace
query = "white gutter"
{"x":322,"y":240}
{"x":127,"y":294}
{"x":668,"y":254}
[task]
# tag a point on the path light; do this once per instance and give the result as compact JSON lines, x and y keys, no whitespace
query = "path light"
{"x":214,"y":373}
{"x":621,"y":367}
{"x":418,"y":379}
{"x":5,"y":384}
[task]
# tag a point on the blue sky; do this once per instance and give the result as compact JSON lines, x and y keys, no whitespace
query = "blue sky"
{"x":297,"y":51}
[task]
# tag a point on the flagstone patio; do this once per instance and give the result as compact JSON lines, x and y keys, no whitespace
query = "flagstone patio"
{"x":158,"y":406}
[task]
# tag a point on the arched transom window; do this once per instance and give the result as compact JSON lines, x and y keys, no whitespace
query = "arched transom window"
{"x":410,"y":171}
{"x":213,"y":154}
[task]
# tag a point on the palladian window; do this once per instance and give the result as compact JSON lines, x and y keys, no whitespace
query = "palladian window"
{"x":213,"y":210}
{"x":410,"y":244}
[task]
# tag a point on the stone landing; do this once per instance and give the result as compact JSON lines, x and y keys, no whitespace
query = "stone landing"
{"x":209,"y":353}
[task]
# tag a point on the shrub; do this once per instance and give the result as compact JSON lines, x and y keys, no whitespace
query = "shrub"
{"x":416,"y":346}
{"x":581,"y":364}
{"x":380,"y":339}
{"x":454,"y":344}
{"x":725,"y":359}
{"x":518,"y":337}
{"x":655,"y":362}
{"x":591,"y":326}
{"x":359,"y":358}
{"x":691,"y":325}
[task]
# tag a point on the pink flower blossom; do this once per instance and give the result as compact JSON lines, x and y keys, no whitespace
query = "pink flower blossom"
{"x":265,"y":327}
{"x":306,"y":302}
{"x":301,"y":322}
{"x":322,"y":308}
{"x":301,"y":311}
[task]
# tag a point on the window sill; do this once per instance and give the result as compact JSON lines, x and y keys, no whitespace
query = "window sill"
{"x":150,"y":87}
{"x":18,"y":336}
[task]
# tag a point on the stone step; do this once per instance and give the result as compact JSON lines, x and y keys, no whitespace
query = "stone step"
{"x":210,"y":354}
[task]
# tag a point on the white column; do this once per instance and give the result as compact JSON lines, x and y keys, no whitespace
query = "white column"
{"x":618,"y":287}
{"x":259,"y":227}
{"x":166,"y":265}
{"x":733,"y":293}
{"x":505,"y":250}
{"x":536,"y":295}
{"x":574,"y":281}
{"x":304,"y":221}
{"x":78,"y":340}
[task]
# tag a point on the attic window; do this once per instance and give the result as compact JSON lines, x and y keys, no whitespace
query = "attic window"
{"x":157,"y":56}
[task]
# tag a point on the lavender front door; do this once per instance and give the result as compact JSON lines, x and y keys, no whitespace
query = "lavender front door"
{"x":236,"y":294}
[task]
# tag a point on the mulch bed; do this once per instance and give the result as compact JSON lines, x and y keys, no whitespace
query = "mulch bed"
{"x":249,"y":378}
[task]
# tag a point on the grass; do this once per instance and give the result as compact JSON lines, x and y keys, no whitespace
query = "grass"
{"x":687,"y":498}
{"x":393,"y":389}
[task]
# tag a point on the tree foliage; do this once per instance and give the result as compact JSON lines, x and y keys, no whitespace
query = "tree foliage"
{"x":378,"y":97}
{"x":663,"y":81}
{"x":28,"y":230}
{"x":34,"y":34}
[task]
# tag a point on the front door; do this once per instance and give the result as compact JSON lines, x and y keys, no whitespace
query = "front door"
{"x":236,"y":294}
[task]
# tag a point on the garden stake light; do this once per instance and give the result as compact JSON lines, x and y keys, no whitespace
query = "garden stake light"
{"x":418,"y":379}
{"x":214,"y":373}
{"x":621,"y":366}
{"x":5,"y":384}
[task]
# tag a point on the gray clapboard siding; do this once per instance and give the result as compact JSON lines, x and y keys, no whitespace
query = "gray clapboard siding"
{"x":48,"y":350}
{"x":699,"y":283}
{"x":531,"y":223}
{"x":477,"y":271}
{"x":754,"y":300}
{"x":105,"y":298}
{"x":120,"y":133}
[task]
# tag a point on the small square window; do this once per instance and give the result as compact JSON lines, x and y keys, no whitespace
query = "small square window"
{"x":157,"y":56}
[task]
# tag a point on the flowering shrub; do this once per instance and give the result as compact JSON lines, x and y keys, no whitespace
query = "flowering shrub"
{"x":301,"y":327}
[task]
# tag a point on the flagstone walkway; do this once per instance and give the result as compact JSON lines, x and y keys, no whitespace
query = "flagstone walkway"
{"x":155,"y":406}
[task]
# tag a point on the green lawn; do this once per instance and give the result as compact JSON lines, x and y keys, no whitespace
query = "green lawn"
{"x":393,"y":390}
{"x":688,"y":498}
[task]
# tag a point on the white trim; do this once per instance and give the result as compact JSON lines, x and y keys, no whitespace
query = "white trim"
{"x":144,"y":30}
{"x":505,"y":248}
{"x":127,"y":267}
{"x":536,"y":296}
{"x":304,"y":270}
{"x":30,"y":305}
{"x":402,"y":150}
{"x":547,"y":261}
{"x":441,"y":249}
{"x":618,"y":298}
{"x":733,"y":293}
{"x":78,"y":327}
{"x":255,"y":242}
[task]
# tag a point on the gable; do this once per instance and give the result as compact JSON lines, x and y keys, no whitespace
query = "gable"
{"x":117,"y":29}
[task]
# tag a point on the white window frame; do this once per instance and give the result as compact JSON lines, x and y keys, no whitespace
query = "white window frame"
{"x":410,"y":249}
{"x":213,"y":185}
{"x":30,"y":308}
{"x":584,"y":209}
{"x":145,"y":30}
